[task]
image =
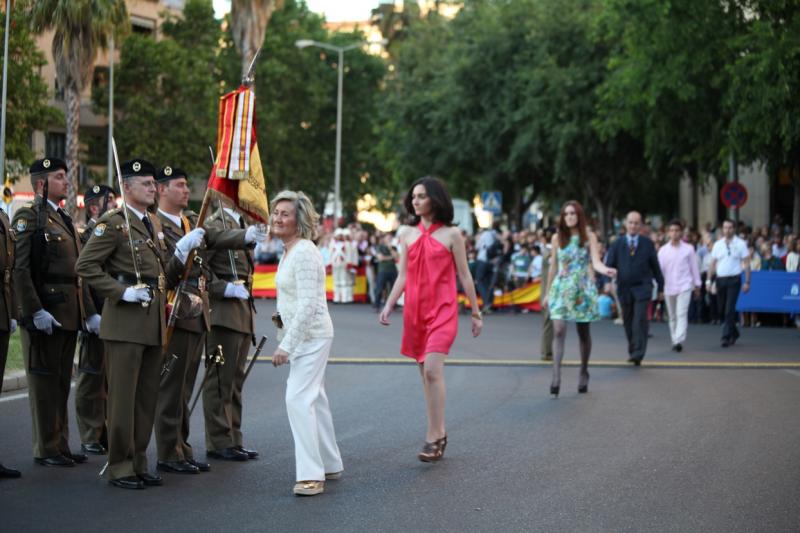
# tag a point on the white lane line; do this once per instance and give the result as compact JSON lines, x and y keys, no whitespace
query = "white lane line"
{"x":792,"y":372}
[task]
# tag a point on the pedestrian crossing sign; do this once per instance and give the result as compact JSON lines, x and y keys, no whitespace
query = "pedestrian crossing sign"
{"x":492,"y":202}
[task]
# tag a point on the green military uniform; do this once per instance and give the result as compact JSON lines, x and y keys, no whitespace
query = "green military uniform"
{"x":48,"y":358}
{"x":231,"y":328}
{"x":8,"y":309}
{"x":546,"y":344}
{"x":134,"y":335}
{"x":187,"y":343}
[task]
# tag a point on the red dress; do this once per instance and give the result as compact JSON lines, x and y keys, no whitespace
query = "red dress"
{"x":430,"y":308}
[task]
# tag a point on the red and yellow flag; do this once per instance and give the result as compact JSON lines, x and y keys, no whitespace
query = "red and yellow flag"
{"x":237,"y":172}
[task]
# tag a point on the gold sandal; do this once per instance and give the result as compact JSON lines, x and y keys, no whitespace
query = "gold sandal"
{"x":308,"y":488}
{"x":433,"y":451}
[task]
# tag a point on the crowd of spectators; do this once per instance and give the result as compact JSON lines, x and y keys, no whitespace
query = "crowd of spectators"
{"x":501,"y":260}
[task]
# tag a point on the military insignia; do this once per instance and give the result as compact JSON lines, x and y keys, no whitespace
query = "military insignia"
{"x":137,"y":166}
{"x":21,"y":225}
{"x":46,"y":163}
{"x":96,"y":189}
{"x":168,"y":171}
{"x":99,"y":230}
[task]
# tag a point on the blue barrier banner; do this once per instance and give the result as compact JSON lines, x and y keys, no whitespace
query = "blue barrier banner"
{"x":771,"y":292}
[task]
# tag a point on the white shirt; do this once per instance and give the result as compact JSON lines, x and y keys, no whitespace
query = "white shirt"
{"x":729,"y":256}
{"x":485,"y":241}
{"x":301,"y":297}
{"x":135,"y":212}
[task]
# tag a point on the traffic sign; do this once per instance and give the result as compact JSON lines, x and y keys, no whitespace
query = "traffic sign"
{"x":733,"y":195}
{"x":492,"y":202}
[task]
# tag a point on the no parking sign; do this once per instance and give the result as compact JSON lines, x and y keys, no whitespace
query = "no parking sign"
{"x":733,"y":195}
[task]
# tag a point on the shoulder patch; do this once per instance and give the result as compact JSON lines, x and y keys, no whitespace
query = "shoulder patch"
{"x":22,"y":225}
{"x":99,"y":230}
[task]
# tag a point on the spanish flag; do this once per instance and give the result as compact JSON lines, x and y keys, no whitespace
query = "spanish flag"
{"x":237,"y":171}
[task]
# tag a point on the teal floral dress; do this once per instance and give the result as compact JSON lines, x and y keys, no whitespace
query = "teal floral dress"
{"x":573,"y":294}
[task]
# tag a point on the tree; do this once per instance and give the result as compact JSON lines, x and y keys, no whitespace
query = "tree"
{"x":763,"y":97}
{"x":82,"y":27}
{"x":249,"y":20}
{"x":27,"y":109}
{"x":167,"y":92}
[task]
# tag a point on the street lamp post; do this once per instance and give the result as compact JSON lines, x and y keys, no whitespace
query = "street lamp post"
{"x":337,"y":180}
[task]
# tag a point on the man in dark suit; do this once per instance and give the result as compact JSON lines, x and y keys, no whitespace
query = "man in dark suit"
{"x":635,"y":258}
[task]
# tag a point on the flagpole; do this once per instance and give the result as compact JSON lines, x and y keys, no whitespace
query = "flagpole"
{"x":5,"y":94}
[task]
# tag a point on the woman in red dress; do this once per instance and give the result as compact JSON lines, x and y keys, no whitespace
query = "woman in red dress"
{"x":432,"y":252}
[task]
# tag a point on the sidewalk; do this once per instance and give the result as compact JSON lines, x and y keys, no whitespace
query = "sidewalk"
{"x":15,"y":380}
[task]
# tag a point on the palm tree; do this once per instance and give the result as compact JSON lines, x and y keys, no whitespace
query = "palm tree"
{"x":249,"y":19}
{"x":82,"y":28}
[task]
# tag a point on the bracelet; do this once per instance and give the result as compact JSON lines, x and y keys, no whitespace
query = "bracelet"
{"x":478,"y":315}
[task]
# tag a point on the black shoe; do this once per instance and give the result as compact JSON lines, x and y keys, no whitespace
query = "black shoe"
{"x":130,"y":482}
{"x":201,"y":466}
{"x":252,"y":454}
{"x":636,"y":361}
{"x":228,"y":454}
{"x":555,"y":389}
{"x":79,"y":458}
{"x":725,"y":343}
{"x":177,"y":467}
{"x":583,"y":384}
{"x":56,"y":460}
{"x":151,"y":480}
{"x":94,"y":448}
{"x":677,"y":347}
{"x":9,"y":473}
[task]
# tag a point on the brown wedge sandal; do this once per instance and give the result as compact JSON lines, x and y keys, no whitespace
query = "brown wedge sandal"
{"x":433,"y":451}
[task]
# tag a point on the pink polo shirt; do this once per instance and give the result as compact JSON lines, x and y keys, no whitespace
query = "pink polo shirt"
{"x":679,"y":266}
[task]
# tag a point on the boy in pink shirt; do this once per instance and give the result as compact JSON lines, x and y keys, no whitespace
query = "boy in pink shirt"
{"x":681,"y":276}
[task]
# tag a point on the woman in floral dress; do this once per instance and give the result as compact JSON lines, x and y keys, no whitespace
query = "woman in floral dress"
{"x":572,"y":293}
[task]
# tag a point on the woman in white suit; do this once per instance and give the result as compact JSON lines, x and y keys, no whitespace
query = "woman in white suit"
{"x":305,"y":335}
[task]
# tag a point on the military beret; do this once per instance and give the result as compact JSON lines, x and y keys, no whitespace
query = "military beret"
{"x":137,"y":167}
{"x":97,"y":191}
{"x":170,"y":173}
{"x":46,"y":165}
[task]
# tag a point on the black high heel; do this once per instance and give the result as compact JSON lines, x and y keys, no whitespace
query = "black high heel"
{"x":583,"y":386}
{"x":555,"y":389}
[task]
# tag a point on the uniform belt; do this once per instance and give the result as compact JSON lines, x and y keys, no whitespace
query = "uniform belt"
{"x":153,"y":283}
{"x":57,"y":279}
{"x":197,"y":283}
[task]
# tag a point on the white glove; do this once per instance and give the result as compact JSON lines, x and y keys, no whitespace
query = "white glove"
{"x":189,"y":242}
{"x":136,"y":296}
{"x":255,"y":233}
{"x":93,"y":324}
{"x":44,"y":321}
{"x":235,"y":290}
{"x":12,"y":326}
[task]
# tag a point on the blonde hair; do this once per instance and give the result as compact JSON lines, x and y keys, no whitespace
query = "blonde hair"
{"x":304,"y":212}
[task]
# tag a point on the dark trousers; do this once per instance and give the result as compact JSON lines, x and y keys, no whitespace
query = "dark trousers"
{"x":546,"y":346}
{"x":484,"y":275}
{"x":634,"y":316}
{"x":4,"y":338}
{"x":222,"y":395}
{"x":727,"y":293}
{"x":48,"y":365}
{"x":384,"y":279}
{"x":90,"y":391}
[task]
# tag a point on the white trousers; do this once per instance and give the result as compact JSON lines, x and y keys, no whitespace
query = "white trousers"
{"x":315,"y":448}
{"x":342,"y":284}
{"x":678,"y":309}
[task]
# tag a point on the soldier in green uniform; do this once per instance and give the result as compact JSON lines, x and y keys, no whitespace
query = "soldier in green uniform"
{"x":52,"y":308}
{"x":188,"y":340}
{"x":8,"y":314}
{"x":90,"y":384}
{"x":126,"y":261}
{"x":232,"y":328}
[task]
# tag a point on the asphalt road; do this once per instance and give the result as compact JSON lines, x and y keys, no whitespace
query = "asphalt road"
{"x":656,"y":448}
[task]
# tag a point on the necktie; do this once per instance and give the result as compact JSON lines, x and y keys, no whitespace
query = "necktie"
{"x":67,"y":220}
{"x":148,"y":225}
{"x":632,"y":246}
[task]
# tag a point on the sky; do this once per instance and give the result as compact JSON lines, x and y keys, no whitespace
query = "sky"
{"x":334,"y":10}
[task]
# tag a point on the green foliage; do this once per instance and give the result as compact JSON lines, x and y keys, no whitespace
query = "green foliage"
{"x":27,"y":109}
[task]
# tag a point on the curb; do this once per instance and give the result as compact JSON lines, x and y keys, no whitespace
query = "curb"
{"x":15,"y":380}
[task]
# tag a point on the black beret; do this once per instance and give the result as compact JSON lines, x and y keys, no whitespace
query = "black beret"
{"x":98,"y":191}
{"x":137,"y":167}
{"x":170,"y":173}
{"x":46,"y":165}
